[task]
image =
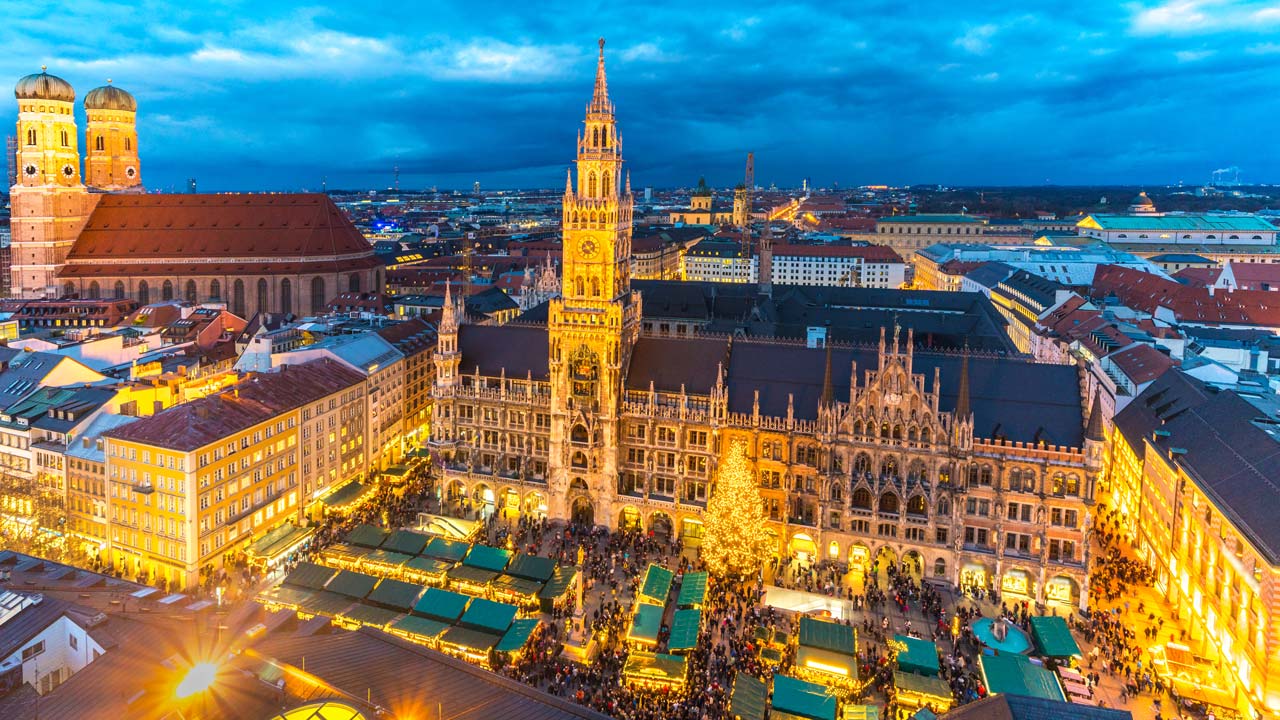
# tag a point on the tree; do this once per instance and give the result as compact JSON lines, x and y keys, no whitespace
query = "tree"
{"x":735,"y":541}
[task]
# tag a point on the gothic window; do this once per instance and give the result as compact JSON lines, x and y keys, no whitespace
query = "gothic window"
{"x":98,"y":143}
{"x":884,"y":430}
{"x":584,"y":372}
{"x":128,"y":144}
{"x":837,"y":494}
{"x":1059,"y":484}
{"x":1073,"y":485}
{"x":286,"y":296}
{"x":65,"y":141}
{"x":31,"y":136}
{"x":237,"y":298}
{"x":897,"y":432}
{"x":579,"y":434}
{"x":119,"y":290}
{"x":95,"y":290}
{"x":317,"y":294}
{"x":888,"y":503}
{"x":606,"y":186}
{"x":166,"y":290}
{"x":595,"y":287}
{"x":861,"y":499}
{"x":264,"y":302}
{"x":889,"y":468}
{"x":862,"y":464}
{"x":944,"y":475}
{"x":940,"y":567}
{"x":579,"y":459}
{"x":69,"y":289}
{"x":591,"y":189}
{"x":595,"y":137}
{"x":215,"y":290}
{"x":916,"y":505}
{"x":911,"y":433}
{"x":579,"y":287}
{"x":144,"y":293}
{"x":944,"y":508}
{"x":857,"y":428}
{"x":191,"y":291}
{"x":924,"y":434}
{"x":353,"y":283}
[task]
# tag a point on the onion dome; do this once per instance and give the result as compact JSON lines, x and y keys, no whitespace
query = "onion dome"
{"x":43,"y":86}
{"x":109,"y":97}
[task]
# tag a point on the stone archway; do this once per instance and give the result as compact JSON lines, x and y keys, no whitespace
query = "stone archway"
{"x":804,"y":548}
{"x":582,"y":511}
{"x":1062,"y":589}
{"x":535,"y":504}
{"x":912,"y":565}
{"x":661,"y":525}
{"x":629,"y":518}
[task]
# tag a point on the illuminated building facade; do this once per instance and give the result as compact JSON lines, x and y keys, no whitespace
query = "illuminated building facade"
{"x":968,"y":470}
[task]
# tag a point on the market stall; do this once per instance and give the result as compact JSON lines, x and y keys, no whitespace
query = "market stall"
{"x":442,"y":605}
{"x":747,"y":701}
{"x":407,"y":542}
{"x":517,"y":636}
{"x":656,"y":586}
{"x":298,"y":587}
{"x":395,"y":595}
{"x":274,"y":547}
{"x":516,"y":590}
{"x":693,"y":590}
{"x":425,"y":570}
{"x":367,"y":536}
{"x":557,"y":593}
{"x":361,"y":614}
{"x":913,"y":691}
{"x":645,"y":625}
{"x":468,"y":643}
{"x":488,"y":616}
{"x":1017,"y":674}
{"x":343,"y":556}
{"x":448,"y":550}
{"x":655,"y":671}
{"x":801,"y":699}
{"x":421,"y":630}
{"x":826,"y":653}
{"x":915,"y":655}
{"x":347,"y":497}
{"x":684,"y":631}
{"x":1053,"y":638}
{"x":384,"y":562}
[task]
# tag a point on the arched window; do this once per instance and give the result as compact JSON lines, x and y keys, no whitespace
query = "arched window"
{"x":916,"y":505}
{"x":884,"y":430}
{"x":69,"y":289}
{"x":31,"y":136}
{"x":237,"y":298}
{"x":579,"y":434}
{"x":95,"y":290}
{"x":166,"y":290}
{"x":119,"y":290}
{"x":944,"y":508}
{"x":215,"y":290}
{"x":65,"y":140}
{"x":606,"y":186}
{"x":889,"y":468}
{"x":317,"y":294}
{"x":191,"y":292}
{"x":924,"y":434}
{"x":579,"y":459}
{"x":144,"y":292}
{"x":1059,"y":484}
{"x":888,"y":503}
{"x":862,"y":464}
{"x":286,"y":296}
{"x":897,"y":432}
{"x":591,"y":188}
{"x":98,"y":144}
{"x":128,"y":144}
{"x":861,"y":499}
{"x":837,"y":492}
{"x":579,"y":287}
{"x":595,"y":137}
{"x":353,"y":282}
{"x":939,"y":567}
{"x":1073,"y":485}
{"x":857,"y":428}
{"x":595,"y":287}
{"x":264,"y":301}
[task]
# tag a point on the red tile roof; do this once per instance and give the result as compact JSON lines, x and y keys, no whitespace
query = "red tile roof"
{"x":255,"y":399}
{"x":869,"y":253}
{"x":1147,"y":292}
{"x":1251,"y":276}
{"x":1142,"y":363}
{"x":1198,"y":275}
{"x":230,"y":234}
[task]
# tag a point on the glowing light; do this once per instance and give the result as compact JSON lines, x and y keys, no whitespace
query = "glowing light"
{"x":198,"y":679}
{"x":815,"y":665}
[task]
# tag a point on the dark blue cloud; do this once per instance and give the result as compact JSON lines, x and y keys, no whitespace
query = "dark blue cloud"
{"x":263,"y":95}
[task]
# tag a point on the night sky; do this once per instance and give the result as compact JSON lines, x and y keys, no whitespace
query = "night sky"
{"x":272,"y":96}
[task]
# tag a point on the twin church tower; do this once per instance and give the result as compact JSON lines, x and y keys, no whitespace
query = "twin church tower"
{"x":52,"y":197}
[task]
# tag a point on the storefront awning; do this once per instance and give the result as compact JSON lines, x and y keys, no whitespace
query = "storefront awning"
{"x":657,"y":585}
{"x":684,"y":630}
{"x":1053,"y":637}
{"x":656,"y":668}
{"x":803,"y":699}
{"x":693,"y":590}
{"x":917,"y":656}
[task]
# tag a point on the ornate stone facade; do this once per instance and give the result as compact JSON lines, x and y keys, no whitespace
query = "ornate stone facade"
{"x":969,"y":471}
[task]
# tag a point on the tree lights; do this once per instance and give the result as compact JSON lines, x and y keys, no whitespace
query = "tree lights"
{"x":736,"y":541}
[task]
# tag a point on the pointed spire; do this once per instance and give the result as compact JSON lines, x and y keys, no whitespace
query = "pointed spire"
{"x":1095,"y":430}
{"x":828,"y":395}
{"x":568,"y":181}
{"x":962,"y":397}
{"x":600,"y":97}
{"x":628,"y":182}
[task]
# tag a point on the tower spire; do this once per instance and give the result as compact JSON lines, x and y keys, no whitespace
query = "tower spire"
{"x":962,"y":397}
{"x":827,"y":391}
{"x":600,"y":97}
{"x":1095,"y":429}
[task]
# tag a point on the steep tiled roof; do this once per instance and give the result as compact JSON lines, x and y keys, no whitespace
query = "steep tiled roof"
{"x":1147,"y":292}
{"x":869,"y":253}
{"x":1141,"y":363}
{"x":230,"y":234}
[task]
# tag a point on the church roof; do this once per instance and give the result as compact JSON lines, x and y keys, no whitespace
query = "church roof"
{"x":520,"y":350}
{"x":110,"y":97}
{"x":217,"y":234}
{"x":43,"y":86}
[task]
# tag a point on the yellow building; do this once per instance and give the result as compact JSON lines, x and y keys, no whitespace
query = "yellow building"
{"x":190,"y":487}
{"x":1190,"y":472}
{"x":111,"y":140}
{"x":703,"y":209}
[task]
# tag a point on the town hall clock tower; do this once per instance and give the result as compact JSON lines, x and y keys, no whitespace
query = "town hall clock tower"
{"x":594,"y":323}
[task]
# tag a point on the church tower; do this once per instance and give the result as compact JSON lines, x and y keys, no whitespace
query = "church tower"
{"x":49,"y":203}
{"x":594,"y":323}
{"x":111,"y":140}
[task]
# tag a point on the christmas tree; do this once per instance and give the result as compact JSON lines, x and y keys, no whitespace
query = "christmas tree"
{"x":735,"y":541}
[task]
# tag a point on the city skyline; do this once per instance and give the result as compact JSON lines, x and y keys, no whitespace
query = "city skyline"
{"x":1004,"y":97}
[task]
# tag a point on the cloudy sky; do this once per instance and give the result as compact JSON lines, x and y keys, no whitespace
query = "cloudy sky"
{"x":260,"y":95}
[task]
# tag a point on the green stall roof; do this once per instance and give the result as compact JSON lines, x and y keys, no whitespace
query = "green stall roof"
{"x":913,"y":682}
{"x":441,"y":605}
{"x":803,"y":699}
{"x":371,"y":615}
{"x":286,"y":595}
{"x":921,"y":656}
{"x":466,"y":573}
{"x":646,"y":623}
{"x":1053,"y":637}
{"x":386,"y":557}
{"x":325,"y":603}
{"x":657,"y":585}
{"x":346,"y":495}
{"x":398,"y":471}
{"x":419,"y":626}
{"x":1017,"y":675}
{"x":278,"y":540}
{"x":366,"y":536}
{"x":684,"y":630}
{"x":487,"y":558}
{"x":693,"y":590}
{"x":748,"y":698}
{"x":560,"y":582}
{"x":518,"y":585}
{"x":428,"y":565}
{"x":517,"y":635}
{"x":488,"y":615}
{"x":310,"y":575}
{"x":344,"y":550}
{"x":469,"y":638}
{"x":352,"y":584}
{"x":395,"y":594}
{"x":442,"y":549}
{"x":407,"y":542}
{"x":655,"y":666}
{"x":532,"y":567}
{"x":863,"y":712}
{"x":830,"y":636}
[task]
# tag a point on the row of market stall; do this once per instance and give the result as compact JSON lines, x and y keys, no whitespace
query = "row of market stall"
{"x":783,"y":697}
{"x":458,"y":624}
{"x":531,"y":582}
{"x":645,"y":666}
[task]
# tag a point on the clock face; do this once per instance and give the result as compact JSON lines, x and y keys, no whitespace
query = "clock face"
{"x":130,"y":172}
{"x":588,"y":248}
{"x":30,"y":170}
{"x":68,"y":171}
